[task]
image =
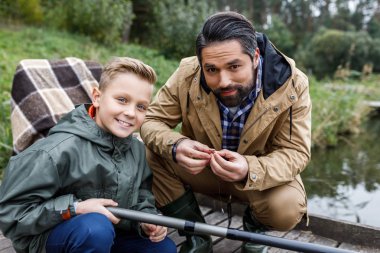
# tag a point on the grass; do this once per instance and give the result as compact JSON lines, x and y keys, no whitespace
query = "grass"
{"x":339,"y":109}
{"x":337,"y":106}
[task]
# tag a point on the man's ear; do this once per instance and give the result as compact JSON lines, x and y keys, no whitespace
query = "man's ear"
{"x":256,"y":58}
{"x":96,"y":93}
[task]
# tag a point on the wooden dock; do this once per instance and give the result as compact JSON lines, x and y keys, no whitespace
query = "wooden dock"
{"x":322,"y":230}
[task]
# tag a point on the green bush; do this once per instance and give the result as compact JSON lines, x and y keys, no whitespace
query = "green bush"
{"x":280,"y":36}
{"x":176,"y":24}
{"x":27,"y":11}
{"x":103,"y":20}
{"x":330,"y":50}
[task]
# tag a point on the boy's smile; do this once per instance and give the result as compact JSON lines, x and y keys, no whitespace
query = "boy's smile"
{"x":121,"y":105}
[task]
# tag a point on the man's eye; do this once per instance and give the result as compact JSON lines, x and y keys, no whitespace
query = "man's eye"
{"x":211,"y":70}
{"x":235,"y":66}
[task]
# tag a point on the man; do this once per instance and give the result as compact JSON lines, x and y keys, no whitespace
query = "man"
{"x":245,"y":115}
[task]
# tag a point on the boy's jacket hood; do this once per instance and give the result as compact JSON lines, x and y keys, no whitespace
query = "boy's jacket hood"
{"x":89,"y":130}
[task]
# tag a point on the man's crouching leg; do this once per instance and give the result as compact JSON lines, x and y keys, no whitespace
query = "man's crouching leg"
{"x":175,"y":201}
{"x":279,"y":208}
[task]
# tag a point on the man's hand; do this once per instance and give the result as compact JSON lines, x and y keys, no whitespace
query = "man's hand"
{"x":228,"y":165}
{"x":156,"y":233}
{"x":193,"y":156}
{"x":97,"y":206}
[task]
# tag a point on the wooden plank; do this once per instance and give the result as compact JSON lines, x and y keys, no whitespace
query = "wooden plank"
{"x":8,"y":250}
{"x":324,"y":241}
{"x":343,"y":231}
{"x":373,"y":104}
{"x":227,"y":246}
{"x":5,"y":243}
{"x":358,"y":248}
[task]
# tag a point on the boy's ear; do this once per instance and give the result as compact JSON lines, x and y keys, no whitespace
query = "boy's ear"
{"x":96,"y":93}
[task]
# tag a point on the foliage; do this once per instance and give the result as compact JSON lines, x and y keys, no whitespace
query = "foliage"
{"x":280,"y":35}
{"x":17,"y":43}
{"x":28,"y":11}
{"x":176,"y":24}
{"x":103,"y":20}
{"x":338,"y":108}
{"x":331,"y":50}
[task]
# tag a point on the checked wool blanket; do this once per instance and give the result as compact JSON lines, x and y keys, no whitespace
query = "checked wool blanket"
{"x":45,"y":90}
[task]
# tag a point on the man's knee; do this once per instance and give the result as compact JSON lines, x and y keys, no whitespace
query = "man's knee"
{"x":282,"y":210}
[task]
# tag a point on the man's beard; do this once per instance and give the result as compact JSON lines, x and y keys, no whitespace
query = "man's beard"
{"x":243,"y":91}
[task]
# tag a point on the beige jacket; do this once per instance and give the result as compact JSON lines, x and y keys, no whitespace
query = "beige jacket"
{"x":275,"y":140}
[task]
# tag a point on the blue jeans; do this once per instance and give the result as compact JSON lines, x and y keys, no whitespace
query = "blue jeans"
{"x":94,"y":233}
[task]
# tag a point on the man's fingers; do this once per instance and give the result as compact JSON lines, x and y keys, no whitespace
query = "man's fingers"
{"x":219,"y":170}
{"x":196,"y":154}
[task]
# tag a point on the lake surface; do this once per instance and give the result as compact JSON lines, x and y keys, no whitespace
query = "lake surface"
{"x":344,"y":182}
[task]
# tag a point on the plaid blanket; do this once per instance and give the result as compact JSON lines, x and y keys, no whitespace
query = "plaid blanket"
{"x":43,"y":91}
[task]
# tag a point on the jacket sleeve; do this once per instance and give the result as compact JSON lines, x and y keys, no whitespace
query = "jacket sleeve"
{"x":163,"y":115}
{"x":29,"y":204}
{"x":290,"y":148}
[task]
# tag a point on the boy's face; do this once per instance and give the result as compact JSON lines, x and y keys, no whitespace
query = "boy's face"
{"x":121,"y":106}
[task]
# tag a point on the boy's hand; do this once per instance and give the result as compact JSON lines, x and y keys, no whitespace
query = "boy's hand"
{"x":97,"y":206}
{"x":156,"y":233}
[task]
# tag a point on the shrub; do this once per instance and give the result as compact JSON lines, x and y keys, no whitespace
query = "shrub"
{"x":27,"y":11}
{"x":330,"y":50}
{"x":281,"y":36}
{"x":103,"y":20}
{"x":176,"y":24}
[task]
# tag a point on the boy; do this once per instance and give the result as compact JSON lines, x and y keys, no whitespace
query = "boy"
{"x":55,"y":193}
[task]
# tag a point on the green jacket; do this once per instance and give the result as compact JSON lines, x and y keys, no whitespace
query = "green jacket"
{"x":78,"y":160}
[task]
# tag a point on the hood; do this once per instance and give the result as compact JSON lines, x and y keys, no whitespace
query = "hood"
{"x":79,"y":123}
{"x":276,"y":68}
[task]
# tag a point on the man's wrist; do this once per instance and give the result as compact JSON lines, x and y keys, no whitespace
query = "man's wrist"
{"x":174,"y":149}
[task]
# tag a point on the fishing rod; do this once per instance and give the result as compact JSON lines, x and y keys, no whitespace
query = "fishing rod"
{"x":229,"y":233}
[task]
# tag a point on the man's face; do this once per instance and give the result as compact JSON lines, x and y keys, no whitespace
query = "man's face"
{"x":229,"y":72}
{"x":121,"y":106}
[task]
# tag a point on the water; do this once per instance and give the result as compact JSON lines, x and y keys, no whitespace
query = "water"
{"x":344,"y":182}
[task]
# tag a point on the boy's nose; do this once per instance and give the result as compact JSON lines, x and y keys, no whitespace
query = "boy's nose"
{"x":129,"y":110}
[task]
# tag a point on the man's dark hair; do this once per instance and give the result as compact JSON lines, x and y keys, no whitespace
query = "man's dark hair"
{"x":224,"y":26}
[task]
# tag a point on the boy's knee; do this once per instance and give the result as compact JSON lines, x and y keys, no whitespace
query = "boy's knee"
{"x":95,"y":231}
{"x":168,"y":246}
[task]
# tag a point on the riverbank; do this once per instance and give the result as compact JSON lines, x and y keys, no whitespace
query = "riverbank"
{"x":336,"y":112}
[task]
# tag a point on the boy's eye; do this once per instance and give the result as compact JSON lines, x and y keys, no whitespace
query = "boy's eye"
{"x":142,"y":107}
{"x":122,"y":100}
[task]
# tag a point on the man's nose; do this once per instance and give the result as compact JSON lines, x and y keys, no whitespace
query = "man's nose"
{"x":225,"y":80}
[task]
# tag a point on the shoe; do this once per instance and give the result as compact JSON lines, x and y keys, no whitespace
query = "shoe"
{"x":186,"y":207}
{"x":250,"y":224}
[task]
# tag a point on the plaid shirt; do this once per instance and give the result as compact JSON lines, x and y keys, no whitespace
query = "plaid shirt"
{"x":233,"y":123}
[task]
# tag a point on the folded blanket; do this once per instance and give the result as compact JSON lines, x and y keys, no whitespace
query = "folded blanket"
{"x":43,"y":91}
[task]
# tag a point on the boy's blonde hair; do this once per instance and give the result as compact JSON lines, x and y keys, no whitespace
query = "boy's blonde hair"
{"x":126,"y":65}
